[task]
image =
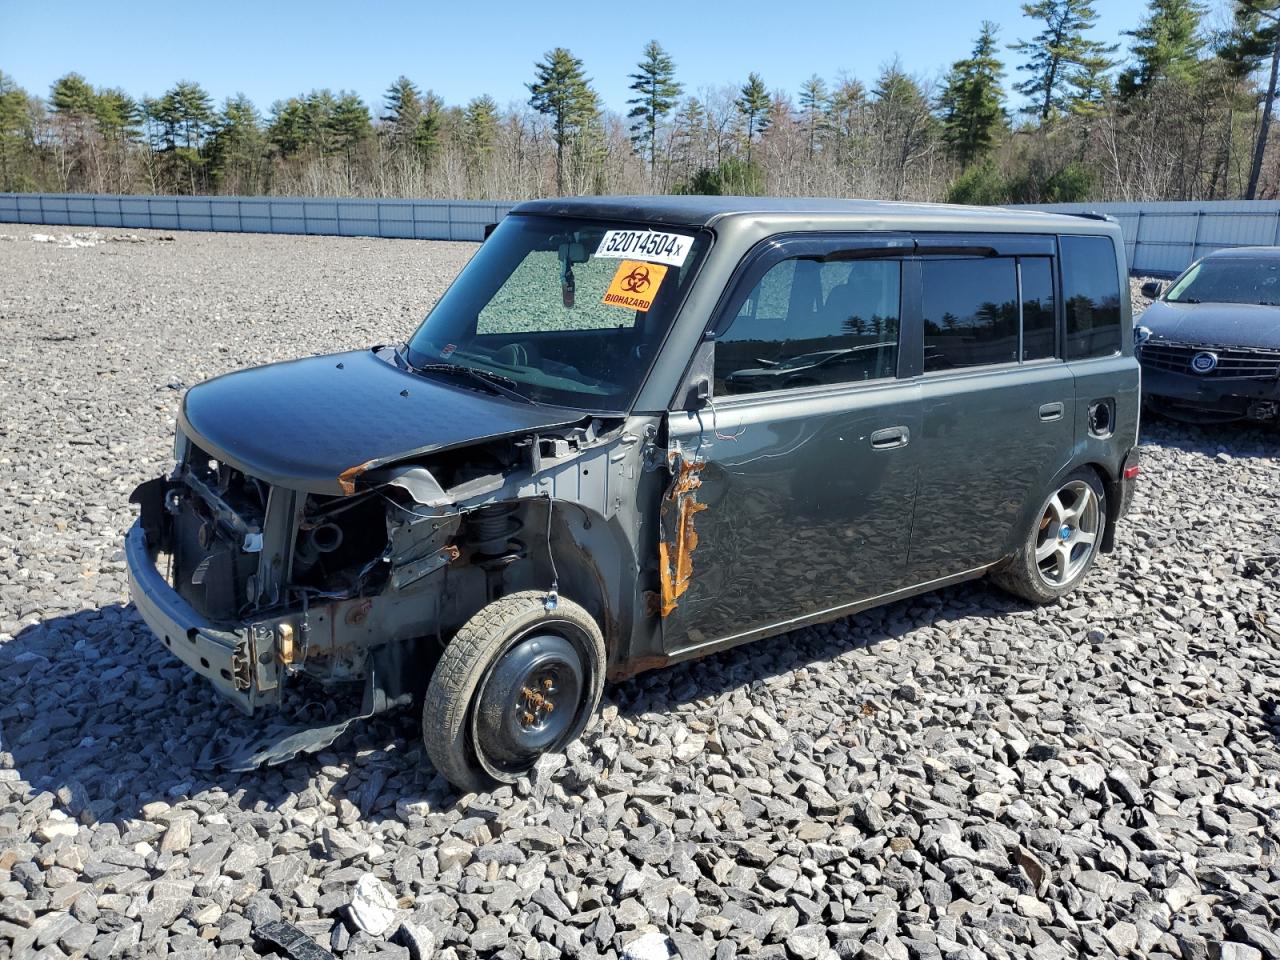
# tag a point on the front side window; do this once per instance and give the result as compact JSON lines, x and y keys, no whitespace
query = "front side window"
{"x":1091,"y":294}
{"x":809,"y":322}
{"x":561,"y":310}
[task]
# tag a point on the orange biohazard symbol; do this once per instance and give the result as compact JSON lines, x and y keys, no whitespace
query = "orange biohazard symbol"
{"x":635,"y":285}
{"x":637,"y":281}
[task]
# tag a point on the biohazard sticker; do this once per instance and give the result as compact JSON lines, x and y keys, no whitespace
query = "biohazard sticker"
{"x":634,"y":285}
{"x":650,"y":245}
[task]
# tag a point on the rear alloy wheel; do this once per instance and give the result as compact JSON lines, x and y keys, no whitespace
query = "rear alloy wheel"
{"x":517,"y":681}
{"x":1062,"y":544}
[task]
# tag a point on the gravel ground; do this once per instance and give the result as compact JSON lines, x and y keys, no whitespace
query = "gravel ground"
{"x":952,"y":776}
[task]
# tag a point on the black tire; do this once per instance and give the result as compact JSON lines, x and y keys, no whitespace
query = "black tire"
{"x":467,"y":729}
{"x":1025,"y":574}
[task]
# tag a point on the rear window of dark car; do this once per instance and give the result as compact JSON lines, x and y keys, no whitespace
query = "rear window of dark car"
{"x":1091,"y":293}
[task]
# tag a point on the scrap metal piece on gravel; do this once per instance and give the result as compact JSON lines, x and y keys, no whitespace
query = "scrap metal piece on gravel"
{"x":280,"y":744}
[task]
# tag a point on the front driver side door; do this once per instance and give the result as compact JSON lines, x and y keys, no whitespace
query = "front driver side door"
{"x":799,"y":493}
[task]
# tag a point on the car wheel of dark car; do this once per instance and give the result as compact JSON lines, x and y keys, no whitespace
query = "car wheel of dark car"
{"x":1057,"y":552}
{"x":517,"y":681}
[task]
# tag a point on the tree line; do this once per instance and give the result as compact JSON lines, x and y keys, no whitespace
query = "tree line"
{"x":1177,"y":109}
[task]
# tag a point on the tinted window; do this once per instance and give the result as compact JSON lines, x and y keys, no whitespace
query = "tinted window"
{"x":1091,"y":293}
{"x":1037,"y":308}
{"x":970,"y":310}
{"x":809,"y":322}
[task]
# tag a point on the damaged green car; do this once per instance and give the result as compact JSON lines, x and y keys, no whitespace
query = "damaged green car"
{"x":640,"y":430}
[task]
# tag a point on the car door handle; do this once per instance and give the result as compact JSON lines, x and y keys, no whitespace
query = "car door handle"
{"x":1051,"y":411}
{"x":890,"y":438}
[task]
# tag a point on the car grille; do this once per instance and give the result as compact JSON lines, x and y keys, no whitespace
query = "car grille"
{"x":1234,"y":362}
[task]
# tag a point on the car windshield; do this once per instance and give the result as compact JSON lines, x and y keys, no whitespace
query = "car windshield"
{"x":1229,"y":280}
{"x":561,"y":310}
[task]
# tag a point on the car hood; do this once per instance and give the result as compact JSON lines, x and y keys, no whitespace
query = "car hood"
{"x":1214,"y":324}
{"x":307,"y":423}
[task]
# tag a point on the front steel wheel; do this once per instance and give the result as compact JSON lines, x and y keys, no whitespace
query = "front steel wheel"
{"x":1056,"y":554}
{"x":517,"y":681}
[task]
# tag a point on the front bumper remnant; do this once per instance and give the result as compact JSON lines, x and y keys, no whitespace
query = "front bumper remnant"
{"x":221,"y":655}
{"x":1211,"y":398}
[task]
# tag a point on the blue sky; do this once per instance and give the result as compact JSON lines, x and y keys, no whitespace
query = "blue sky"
{"x":272,"y":50}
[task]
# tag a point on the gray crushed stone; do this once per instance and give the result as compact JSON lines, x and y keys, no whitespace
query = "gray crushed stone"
{"x":954,"y":776}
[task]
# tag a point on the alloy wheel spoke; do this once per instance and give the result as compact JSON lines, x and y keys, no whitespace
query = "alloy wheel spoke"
{"x":1056,"y":507}
{"x":1062,"y":561}
{"x":1045,"y":550}
{"x":1081,"y":507}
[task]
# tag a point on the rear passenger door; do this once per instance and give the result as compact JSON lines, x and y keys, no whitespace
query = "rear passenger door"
{"x":1097,"y":349}
{"x":996,"y":396}
{"x":807,"y":448}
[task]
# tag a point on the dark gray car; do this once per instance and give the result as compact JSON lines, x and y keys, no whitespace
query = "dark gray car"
{"x":553,"y":482}
{"x":1210,"y":345}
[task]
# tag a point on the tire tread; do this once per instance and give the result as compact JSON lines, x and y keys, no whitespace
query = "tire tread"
{"x":461,"y":667}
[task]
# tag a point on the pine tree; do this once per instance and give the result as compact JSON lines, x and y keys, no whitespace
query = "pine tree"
{"x":845,"y":114}
{"x":1255,"y":41}
{"x":426,"y":132}
{"x":1064,"y":64}
{"x":15,"y":133}
{"x":480,"y":129}
{"x":972,"y":101}
{"x":350,"y":124}
{"x":657,"y":95}
{"x":186,"y":113}
{"x":903,"y":123}
{"x":562,"y":91}
{"x":72,"y":95}
{"x":117,"y":116}
{"x":402,"y":103}
{"x":753,"y":103}
{"x":1093,"y":87}
{"x":687,"y":137}
{"x":236,"y":147}
{"x":1166,"y":46}
{"x":287,"y":131}
{"x":402,"y":112}
{"x":317,"y":120}
{"x":814,"y":102}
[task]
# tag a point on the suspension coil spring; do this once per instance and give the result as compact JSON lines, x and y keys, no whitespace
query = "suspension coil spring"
{"x":490,"y":529}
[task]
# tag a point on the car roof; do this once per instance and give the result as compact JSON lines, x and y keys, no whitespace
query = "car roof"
{"x":1245,"y":253}
{"x":705,"y":211}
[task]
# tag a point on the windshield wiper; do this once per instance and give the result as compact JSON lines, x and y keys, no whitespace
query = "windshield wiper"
{"x":496,"y":382}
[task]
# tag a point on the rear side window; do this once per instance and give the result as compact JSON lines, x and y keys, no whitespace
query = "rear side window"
{"x":1091,"y":293}
{"x":810,"y":322}
{"x":970,"y":310}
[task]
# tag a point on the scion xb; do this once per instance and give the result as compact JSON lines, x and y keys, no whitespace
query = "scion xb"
{"x":636,"y":431}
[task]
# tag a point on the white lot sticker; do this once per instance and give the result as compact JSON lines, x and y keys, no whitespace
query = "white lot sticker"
{"x":668,"y":248}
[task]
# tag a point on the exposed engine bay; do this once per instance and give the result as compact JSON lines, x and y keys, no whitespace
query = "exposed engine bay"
{"x":369,"y":586}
